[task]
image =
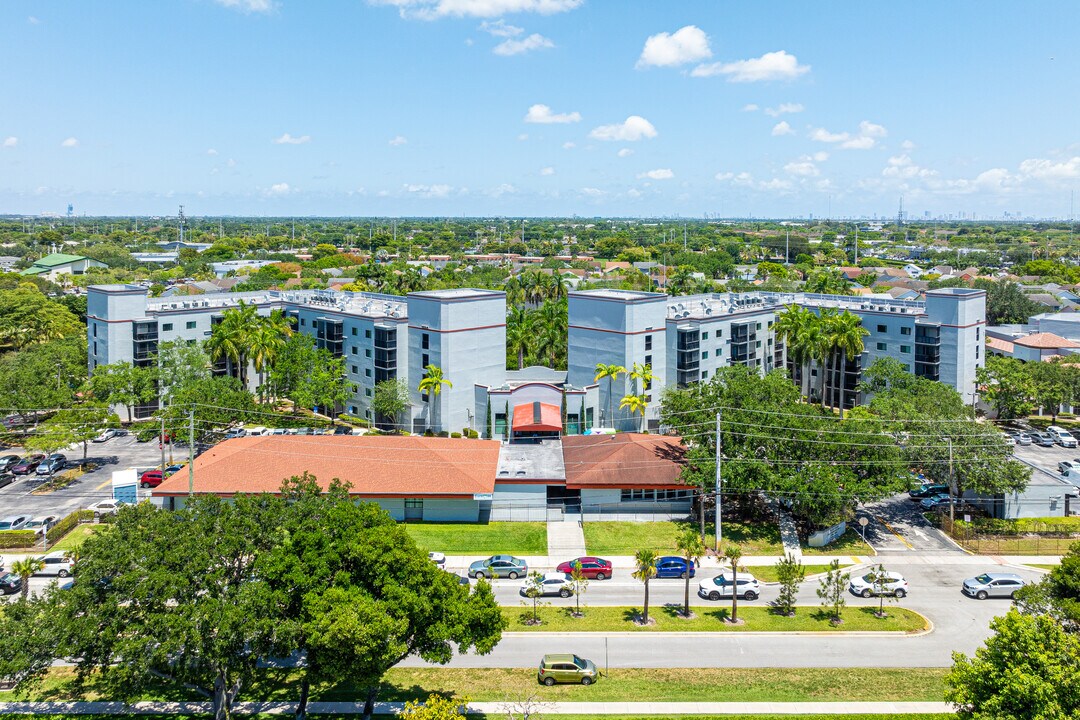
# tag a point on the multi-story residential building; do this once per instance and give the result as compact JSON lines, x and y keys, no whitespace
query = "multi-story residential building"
{"x":463,"y":332}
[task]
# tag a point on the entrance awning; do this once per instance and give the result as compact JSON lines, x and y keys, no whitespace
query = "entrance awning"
{"x":537,"y":417}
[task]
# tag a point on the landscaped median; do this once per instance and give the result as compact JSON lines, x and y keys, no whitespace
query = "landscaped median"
{"x":667,"y":618}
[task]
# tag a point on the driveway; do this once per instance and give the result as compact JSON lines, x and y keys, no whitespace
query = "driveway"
{"x":896,"y":527}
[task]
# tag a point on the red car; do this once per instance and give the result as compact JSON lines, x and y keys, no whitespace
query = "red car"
{"x":27,"y":465}
{"x":594,"y":568}
{"x":151,"y":478}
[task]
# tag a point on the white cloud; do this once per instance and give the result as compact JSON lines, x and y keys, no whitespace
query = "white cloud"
{"x":625,"y":152}
{"x":802,"y":168}
{"x":279,"y":189}
{"x":907,"y":145}
{"x":723,"y":176}
{"x":860,"y":142}
{"x":823,"y":135}
{"x":10,"y":142}
{"x":745,"y":179}
{"x":397,"y":141}
{"x":542,"y":114}
{"x":1042,"y":169}
{"x":901,"y":166}
{"x":752,"y":107}
{"x":429,"y":191}
{"x":632,"y":129}
{"x":592,"y":192}
{"x":70,"y":142}
{"x":865,"y":139}
{"x":500,"y":28}
{"x":435,"y":9}
{"x":547,"y":171}
{"x":523,"y":137}
{"x":633,"y":193}
{"x":568,"y":145}
{"x":536,"y":41}
{"x":782,"y":128}
{"x":32,"y":20}
{"x":777,"y":65}
{"x":869,"y":129}
{"x":468,"y":42}
{"x":658,"y":174}
{"x":820,"y":156}
{"x":504,"y":189}
{"x":230,"y":162}
{"x":211,"y":152}
{"x":685,"y":45}
{"x":288,"y":139}
{"x":248,"y":5}
{"x":784,"y":108}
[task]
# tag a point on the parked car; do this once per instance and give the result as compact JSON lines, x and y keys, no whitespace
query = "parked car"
{"x":553,"y":583}
{"x":593,"y":568}
{"x":151,"y":478}
{"x":173,"y":469}
{"x":51,"y":464}
{"x":235,"y":433}
{"x":28,"y":464}
{"x":927,"y":490}
{"x":438,"y":558}
{"x":724,"y":584}
{"x":1066,"y":465}
{"x":41,"y":524}
{"x":1043,"y":439}
{"x":1062,"y":436}
{"x":566,"y":669}
{"x":1009,"y":439}
{"x":13,"y":522}
{"x":673,"y":566}
{"x":934,"y":500}
{"x":342,"y":430}
{"x":868,"y":585}
{"x":55,"y":563}
{"x":990,"y":585}
{"x":6,"y":479}
{"x":1022,"y":438}
{"x":105,"y":507}
{"x":506,"y":566}
{"x":7,"y":461}
{"x":10,"y":584}
{"x":108,"y":434}
{"x":277,"y":431}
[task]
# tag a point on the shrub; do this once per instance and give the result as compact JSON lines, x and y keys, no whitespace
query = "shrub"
{"x":17,"y":539}
{"x":470,"y":433}
{"x":67,"y":523}
{"x":443,"y":433}
{"x":455,"y":435}
{"x":1022,"y":526}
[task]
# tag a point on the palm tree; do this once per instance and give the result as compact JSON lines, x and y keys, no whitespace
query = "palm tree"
{"x":734,"y":554}
{"x":692,"y":548}
{"x":514,"y":294}
{"x":645,"y":564}
{"x":550,"y":331}
{"x":519,"y":332}
{"x":558,"y":287}
{"x":231,"y":338}
{"x":25,"y":569}
{"x":635,"y":404}
{"x":611,"y":372}
{"x":844,"y":337}
{"x":817,"y":339}
{"x":432,"y":382}
{"x":796,"y":327}
{"x":642,"y":373}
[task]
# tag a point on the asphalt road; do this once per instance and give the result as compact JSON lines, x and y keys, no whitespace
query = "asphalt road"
{"x":896,"y":526}
{"x":960,"y":623}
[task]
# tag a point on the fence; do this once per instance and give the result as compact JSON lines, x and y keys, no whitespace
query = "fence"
{"x":510,"y":511}
{"x":1029,"y":541}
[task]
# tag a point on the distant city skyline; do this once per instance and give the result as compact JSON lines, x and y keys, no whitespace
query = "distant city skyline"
{"x":542,"y":108}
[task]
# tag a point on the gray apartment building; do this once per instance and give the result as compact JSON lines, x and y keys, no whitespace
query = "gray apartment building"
{"x":463,"y":331}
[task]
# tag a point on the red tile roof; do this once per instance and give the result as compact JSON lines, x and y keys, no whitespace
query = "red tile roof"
{"x":1000,"y":345}
{"x":623,"y":460}
{"x":1045,"y":341}
{"x":383,"y":466}
{"x":537,"y":416}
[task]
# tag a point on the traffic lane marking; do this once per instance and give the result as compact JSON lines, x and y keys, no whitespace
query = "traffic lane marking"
{"x":900,"y":537}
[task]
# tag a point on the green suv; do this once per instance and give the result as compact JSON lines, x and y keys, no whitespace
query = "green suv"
{"x":566,"y":669}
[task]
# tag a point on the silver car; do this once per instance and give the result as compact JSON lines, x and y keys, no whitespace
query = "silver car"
{"x":505,"y":566}
{"x":988,"y":585}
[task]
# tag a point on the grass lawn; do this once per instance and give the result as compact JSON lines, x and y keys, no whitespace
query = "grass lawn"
{"x":514,"y":538}
{"x":756,"y":618}
{"x":75,"y":538}
{"x":630,"y":685}
{"x":1018,"y":545}
{"x":1041,"y":567}
{"x":768,"y":573}
{"x":850,"y":543}
{"x":626,"y":538}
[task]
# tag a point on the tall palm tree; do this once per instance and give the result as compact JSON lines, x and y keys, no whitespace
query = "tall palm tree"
{"x":612,"y":373}
{"x":25,"y":569}
{"x":734,"y":554}
{"x":231,"y":338}
{"x":692,"y":548}
{"x":796,"y":328}
{"x":559,"y":287}
{"x":817,"y":338}
{"x":432,"y":383}
{"x":519,"y":332}
{"x":645,"y":570}
{"x":514,"y":292}
{"x":550,"y":331}
{"x":644,"y":375}
{"x":635,"y":404}
{"x":845,"y":334}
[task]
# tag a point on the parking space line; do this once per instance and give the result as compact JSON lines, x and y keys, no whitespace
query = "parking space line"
{"x":103,"y":484}
{"x":898,"y":535}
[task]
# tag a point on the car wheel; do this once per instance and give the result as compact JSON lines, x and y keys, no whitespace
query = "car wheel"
{"x":479,"y":576}
{"x":63,"y":573}
{"x":600,"y":576}
{"x":144,"y":486}
{"x":549,"y":681}
{"x":714,"y":595}
{"x":751,"y":595}
{"x":1013,"y":595}
{"x":586,"y":681}
{"x":866,"y":593}
{"x":683,"y":576}
{"x":513,"y":576}
{"x":900,"y":593}
{"x":982,"y":595}
{"x":564,"y":593}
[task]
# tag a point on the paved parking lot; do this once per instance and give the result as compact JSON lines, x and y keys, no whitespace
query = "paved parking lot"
{"x":1045,"y":458}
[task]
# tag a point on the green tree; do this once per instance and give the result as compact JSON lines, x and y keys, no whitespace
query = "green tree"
{"x":1006,"y":303}
{"x":831,"y":591}
{"x":691,"y":547}
{"x":800,"y":330}
{"x":734,"y":555}
{"x":579,"y":583}
{"x":1057,"y":594}
{"x":635,"y":404}
{"x":26,"y":569}
{"x":519,"y":333}
{"x":43,"y":376}
{"x":1008,"y":386}
{"x":1029,"y":668}
{"x":827,"y":281}
{"x":79,"y":424}
{"x":790,"y":574}
{"x":534,"y":590}
{"x":844,"y":335}
{"x":180,"y":366}
{"x":124,"y":384}
{"x":645,"y":570}
{"x":436,"y":707}
{"x":231,"y":339}
{"x":390,"y":400}
{"x":266,"y":340}
{"x":28,"y":317}
{"x":1051,"y":385}
{"x":612,"y":373}
{"x":432,"y":383}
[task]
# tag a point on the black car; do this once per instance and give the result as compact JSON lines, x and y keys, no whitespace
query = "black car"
{"x":342,"y":431}
{"x":10,"y":584}
{"x":927,"y":490}
{"x":6,"y":479}
{"x":8,"y":460}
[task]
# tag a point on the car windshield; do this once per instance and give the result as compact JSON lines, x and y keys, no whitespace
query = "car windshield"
{"x":579,"y":662}
{"x":34,"y":523}
{"x":983,"y":579}
{"x":5,"y":526}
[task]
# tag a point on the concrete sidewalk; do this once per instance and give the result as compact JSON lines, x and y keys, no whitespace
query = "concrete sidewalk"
{"x":490,"y":708}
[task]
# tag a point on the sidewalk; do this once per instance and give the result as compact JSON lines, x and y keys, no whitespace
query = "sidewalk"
{"x":489,"y":708}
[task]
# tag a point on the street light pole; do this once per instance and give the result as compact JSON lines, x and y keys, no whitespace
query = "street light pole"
{"x":952,"y":488}
{"x":719,"y":484}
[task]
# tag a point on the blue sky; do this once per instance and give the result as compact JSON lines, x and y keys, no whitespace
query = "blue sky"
{"x":539,"y":107}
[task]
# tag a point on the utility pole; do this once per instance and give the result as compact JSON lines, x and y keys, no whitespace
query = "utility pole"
{"x":161,"y":444}
{"x":191,"y":453}
{"x":952,"y":488}
{"x":719,"y":483}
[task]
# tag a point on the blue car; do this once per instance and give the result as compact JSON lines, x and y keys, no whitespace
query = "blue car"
{"x":672,"y":566}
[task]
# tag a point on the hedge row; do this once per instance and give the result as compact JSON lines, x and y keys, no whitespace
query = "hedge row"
{"x":67,"y":523}
{"x":17,"y":539}
{"x":1022,"y":526}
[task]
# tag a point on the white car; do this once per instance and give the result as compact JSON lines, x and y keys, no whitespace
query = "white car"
{"x":105,"y":507}
{"x":722,"y":586}
{"x":41,"y":524}
{"x":1022,"y":438}
{"x":438,"y":558}
{"x":553,"y":583}
{"x":106,"y":434}
{"x":55,"y":563}
{"x":1062,"y":436}
{"x":868,"y":585}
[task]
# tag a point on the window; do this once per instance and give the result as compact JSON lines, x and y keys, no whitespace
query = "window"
{"x":302,"y":322}
{"x":367,"y":372}
{"x":352,"y":409}
{"x":905,"y":349}
{"x":705,"y":355}
{"x":190,"y":325}
{"x":164,"y":328}
{"x":367,"y":392}
{"x":423,"y":397}
{"x":705,"y":335}
{"x":411,"y":503}
{"x":704,"y":374}
{"x":905,"y":331}
{"x":648,"y":359}
{"x":883,"y":328}
{"x":977,"y":331}
{"x":95,"y":347}
{"x":882,"y":347}
{"x":976,"y":352}
{"x":425,"y":360}
{"x":94,"y":325}
{"x":425,"y":341}
{"x":367,"y":352}
{"x":648,"y":342}
{"x":367,"y":334}
{"x":354,"y":332}
{"x":758,"y":326}
{"x":352,"y":350}
{"x":719,"y":334}
{"x":355,"y":370}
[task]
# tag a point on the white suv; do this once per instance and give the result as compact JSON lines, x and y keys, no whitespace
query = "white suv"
{"x":1062,"y":436}
{"x":55,"y":563}
{"x":723,"y":584}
